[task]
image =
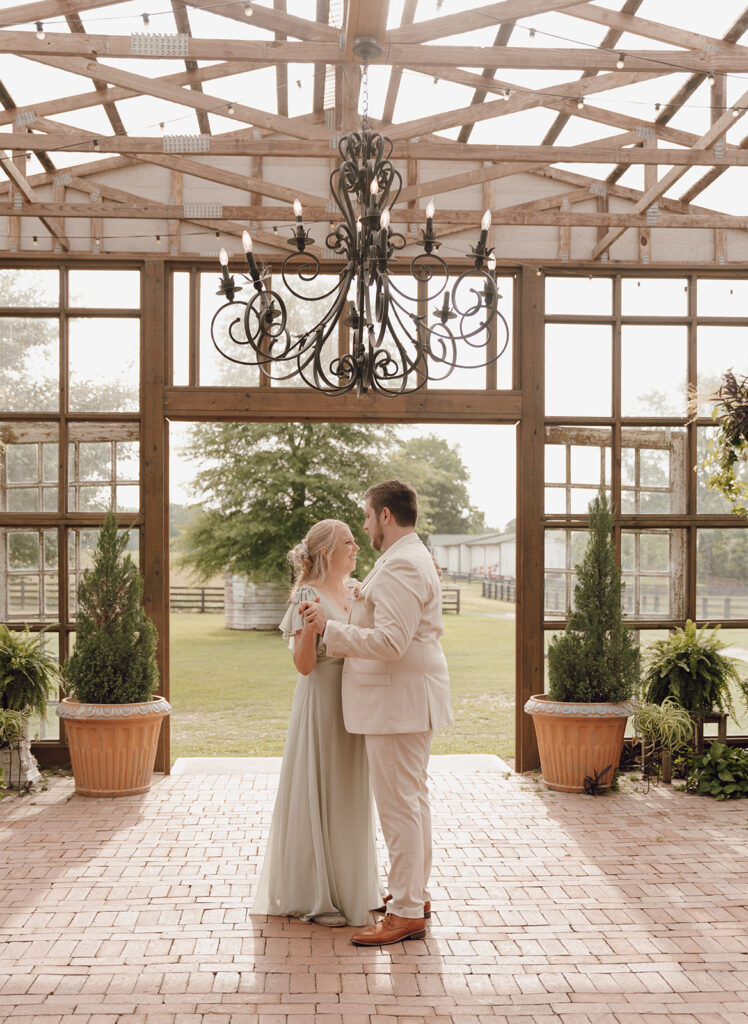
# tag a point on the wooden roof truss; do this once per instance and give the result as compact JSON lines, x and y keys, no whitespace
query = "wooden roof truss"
{"x":491,"y":76}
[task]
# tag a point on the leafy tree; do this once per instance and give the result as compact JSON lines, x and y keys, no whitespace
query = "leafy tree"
{"x":267,"y":483}
{"x":114,"y":661}
{"x":436,"y":470}
{"x":595,"y":659}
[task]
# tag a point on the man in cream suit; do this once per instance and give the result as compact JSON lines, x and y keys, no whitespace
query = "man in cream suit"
{"x":395,"y":692}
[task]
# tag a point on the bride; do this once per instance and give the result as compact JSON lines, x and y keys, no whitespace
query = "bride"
{"x":320,"y":862}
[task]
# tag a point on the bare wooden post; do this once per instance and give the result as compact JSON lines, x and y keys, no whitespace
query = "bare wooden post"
{"x":154,"y":461}
{"x":530,"y":478}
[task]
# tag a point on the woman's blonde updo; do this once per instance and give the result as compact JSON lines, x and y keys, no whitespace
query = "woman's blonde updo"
{"x":307,"y":558}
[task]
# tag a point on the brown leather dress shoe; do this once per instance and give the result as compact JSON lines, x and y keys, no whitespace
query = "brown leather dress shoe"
{"x":388,"y":897}
{"x":390,"y":929}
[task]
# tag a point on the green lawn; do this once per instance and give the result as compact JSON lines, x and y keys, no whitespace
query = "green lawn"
{"x":231,"y":690}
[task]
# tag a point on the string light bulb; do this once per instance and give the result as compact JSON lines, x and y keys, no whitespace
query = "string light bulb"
{"x":158,"y":239}
{"x":248,"y":9}
{"x":35,"y":241}
{"x":710,"y":77}
{"x":39,"y":31}
{"x":146,"y":19}
{"x":621,"y":60}
{"x":532,"y":33}
{"x":506,"y":94}
{"x":657,"y":107}
{"x":538,"y":272}
{"x":735,"y":112}
{"x":580,"y":103}
{"x":230,"y":108}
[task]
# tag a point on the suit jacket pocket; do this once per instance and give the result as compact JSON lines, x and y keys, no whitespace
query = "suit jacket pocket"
{"x":371,"y":679}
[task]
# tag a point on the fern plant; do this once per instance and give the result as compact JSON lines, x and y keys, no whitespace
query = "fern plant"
{"x":114,"y":661}
{"x":28,"y":674}
{"x":689,"y":666}
{"x":595,"y":659}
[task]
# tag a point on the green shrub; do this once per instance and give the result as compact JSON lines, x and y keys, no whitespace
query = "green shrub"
{"x":689,"y":665}
{"x":12,"y":726}
{"x":721,"y":772}
{"x":114,"y":661}
{"x":595,"y":659}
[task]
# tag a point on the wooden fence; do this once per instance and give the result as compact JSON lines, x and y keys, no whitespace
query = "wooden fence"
{"x":500,"y":590}
{"x":196,"y":599}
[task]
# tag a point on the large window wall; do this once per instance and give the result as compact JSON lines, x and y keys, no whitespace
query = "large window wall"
{"x":70,"y":346}
{"x":623,"y":355}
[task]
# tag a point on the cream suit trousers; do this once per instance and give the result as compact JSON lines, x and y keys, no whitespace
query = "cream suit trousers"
{"x":398,"y":766}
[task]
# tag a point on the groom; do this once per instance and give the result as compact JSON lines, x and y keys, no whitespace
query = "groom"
{"x":395,"y":692}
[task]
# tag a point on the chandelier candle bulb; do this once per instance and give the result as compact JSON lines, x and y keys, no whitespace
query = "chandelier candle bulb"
{"x":430,"y":215}
{"x":485,"y":224}
{"x":250,"y":256}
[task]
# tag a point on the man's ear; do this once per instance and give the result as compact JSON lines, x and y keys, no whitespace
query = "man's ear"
{"x":385,"y":515}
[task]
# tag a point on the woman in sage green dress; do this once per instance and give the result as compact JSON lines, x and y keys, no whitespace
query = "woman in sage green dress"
{"x":320,"y":862}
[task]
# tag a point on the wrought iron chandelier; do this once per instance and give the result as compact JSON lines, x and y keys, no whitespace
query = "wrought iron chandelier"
{"x":393,"y":349}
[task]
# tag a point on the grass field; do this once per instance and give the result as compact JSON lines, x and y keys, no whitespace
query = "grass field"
{"x":231,"y":690}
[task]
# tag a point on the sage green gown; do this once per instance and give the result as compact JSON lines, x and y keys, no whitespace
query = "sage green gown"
{"x":321,"y":852}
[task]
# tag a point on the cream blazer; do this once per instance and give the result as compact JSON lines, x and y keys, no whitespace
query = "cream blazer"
{"x":395,"y":677}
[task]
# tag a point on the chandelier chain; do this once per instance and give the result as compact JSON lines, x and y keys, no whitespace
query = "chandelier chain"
{"x":365,"y":98}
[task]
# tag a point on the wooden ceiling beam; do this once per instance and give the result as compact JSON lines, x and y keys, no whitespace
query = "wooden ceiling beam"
{"x":198,"y":101}
{"x":623,"y":21}
{"x":365,"y":20}
{"x":487,"y":57}
{"x":522,"y":100}
{"x":610,"y":39}
{"x":41,"y":10}
{"x":689,"y":87}
{"x":281,"y":70}
{"x":469,"y":21}
{"x":502,"y":39}
{"x":80,"y":101}
{"x":273,"y":20}
{"x":651,"y":195}
{"x":602,"y":151}
{"x":76,"y":25}
{"x":320,"y":70}
{"x":30,"y":198}
{"x":125,"y":206}
{"x":12,"y":113}
{"x":396,"y":74}
{"x":182,"y":22}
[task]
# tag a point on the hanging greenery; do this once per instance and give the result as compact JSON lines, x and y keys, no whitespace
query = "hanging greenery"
{"x":728,"y":449}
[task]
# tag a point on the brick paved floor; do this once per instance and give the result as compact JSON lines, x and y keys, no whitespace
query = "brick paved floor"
{"x":622,"y":909}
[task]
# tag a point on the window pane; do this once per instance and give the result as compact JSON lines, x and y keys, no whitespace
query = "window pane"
{"x":180,"y":325}
{"x":578,"y":368}
{"x":564,"y":549}
{"x":722,"y":574}
{"x":28,"y":467}
{"x":105,"y":289}
{"x":216,"y":369}
{"x":577,"y":463}
{"x":653,"y":470}
{"x":653,"y":564}
{"x":719,"y":349}
{"x":707,"y":500}
{"x":30,"y":359}
{"x":575,"y":295}
{"x":653,"y":296}
{"x":720,"y":297}
{"x":28,"y":575}
{"x":653,"y":371}
{"x":100,"y":456}
{"x":29,"y":288}
{"x":303,"y":315}
{"x":104,"y":364}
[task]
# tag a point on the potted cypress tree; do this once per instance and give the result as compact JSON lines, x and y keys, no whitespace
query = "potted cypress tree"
{"x":112,"y":719}
{"x":593,"y":670}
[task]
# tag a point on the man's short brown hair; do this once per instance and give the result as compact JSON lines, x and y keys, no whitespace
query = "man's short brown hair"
{"x":399,"y":498}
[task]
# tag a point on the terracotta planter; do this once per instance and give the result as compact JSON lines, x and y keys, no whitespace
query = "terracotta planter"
{"x":112,"y":746}
{"x":576,"y":740}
